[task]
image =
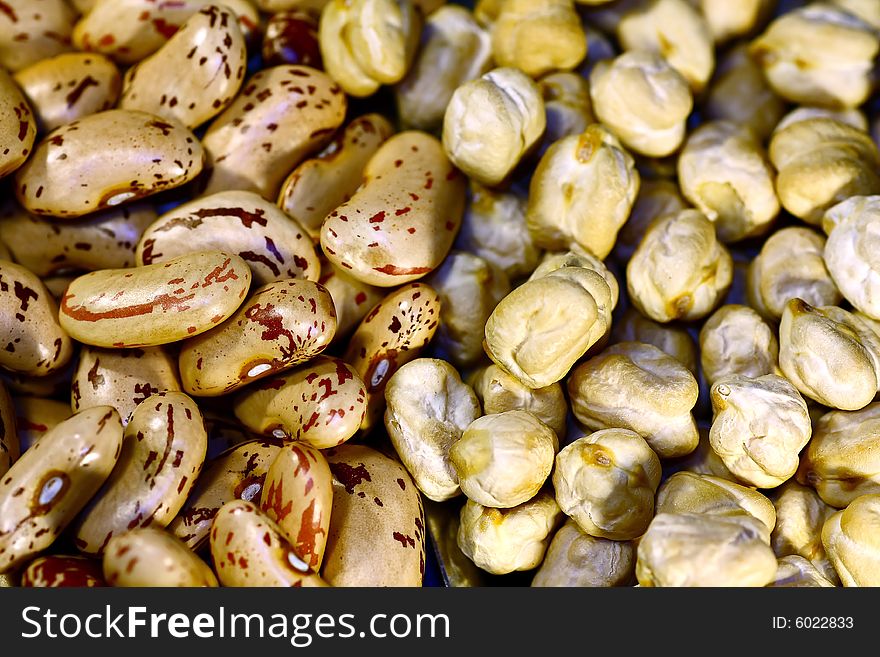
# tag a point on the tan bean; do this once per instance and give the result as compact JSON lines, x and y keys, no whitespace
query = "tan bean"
{"x":377,"y":530}
{"x":671,"y":339}
{"x":324,"y":182}
{"x":155,"y":304}
{"x":104,"y":240}
{"x":352,"y":298}
{"x":9,"y":444}
{"x":60,"y":571}
{"x":162,"y":454}
{"x":321,"y":403}
{"x":69,"y":86}
{"x":31,"y":30}
{"x":800,"y":515}
{"x":130,"y":30}
{"x":275,"y":246}
{"x":122,"y":378}
{"x":850,"y":538}
{"x":202,"y":65}
{"x":148,"y":556}
{"x":392,"y":334}
{"x":237,"y":474}
{"x":402,"y":221}
{"x":35,"y":416}
{"x":298,"y":495}
{"x":45,"y":489}
{"x":281,"y":325}
{"x":282,"y":115}
{"x":18,"y":128}
{"x":105,"y":159}
{"x":34,"y":342}
{"x":249,"y":549}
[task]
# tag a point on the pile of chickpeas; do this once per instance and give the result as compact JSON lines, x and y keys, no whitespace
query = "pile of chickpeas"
{"x":596,"y":284}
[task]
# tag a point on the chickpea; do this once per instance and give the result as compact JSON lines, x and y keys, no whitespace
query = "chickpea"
{"x":852,"y":540}
{"x":736,"y":340}
{"x":673,"y":340}
{"x":800,"y":515}
{"x":655,"y":198}
{"x":795,"y":571}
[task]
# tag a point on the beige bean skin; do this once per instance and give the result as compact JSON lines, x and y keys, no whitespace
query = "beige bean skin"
{"x":31,"y":30}
{"x":34,"y":416}
{"x":69,"y":86}
{"x":236,"y":474}
{"x":281,"y":325}
{"x":249,"y":549}
{"x":9,"y":446}
{"x":34,"y":343}
{"x":321,"y":403}
{"x":156,"y":304}
{"x":130,"y":30}
{"x":850,"y":538}
{"x":162,"y":455}
{"x":148,"y":556}
{"x":324,"y":182}
{"x":298,"y":495}
{"x":104,"y":240}
{"x":60,"y":571}
{"x":203,"y":65}
{"x":282,"y":115}
{"x":274,"y":246}
{"x":392,"y":334}
{"x":402,"y":221}
{"x":18,"y":128}
{"x":102,"y":160}
{"x":352,"y":298}
{"x":377,"y":535}
{"x":53,"y":480}
{"x":122,"y":378}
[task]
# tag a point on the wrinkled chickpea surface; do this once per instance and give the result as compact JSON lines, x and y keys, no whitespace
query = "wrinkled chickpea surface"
{"x":572,"y":293}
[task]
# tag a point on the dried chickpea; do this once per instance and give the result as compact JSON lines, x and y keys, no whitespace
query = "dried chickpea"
{"x":538,"y":36}
{"x":724,"y":172}
{"x":673,"y":340}
{"x":567,"y":105}
{"x":574,"y":558}
{"x":850,"y":116}
{"x":606,"y":481}
{"x":842,"y":461}
{"x":655,"y":198}
{"x":736,"y":340}
{"x":491,"y":122}
{"x":759,"y":427}
{"x":729,"y":19}
{"x":830,"y":355}
{"x":582,"y":192}
{"x":790,"y":264}
{"x":643,"y":100}
{"x":428,"y":410}
{"x":578,"y":257}
{"x":636,"y":386}
{"x":680,"y":270}
{"x":852,"y":251}
{"x":795,"y":571}
{"x":800,"y":515}
{"x":867,"y":10}
{"x":821,"y":162}
{"x":502,"y":460}
{"x":501,"y":541}
{"x":702,"y":461}
{"x":852,"y":540}
{"x":837,"y":74}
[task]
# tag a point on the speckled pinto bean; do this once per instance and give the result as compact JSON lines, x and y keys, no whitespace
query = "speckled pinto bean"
{"x":104,"y":240}
{"x":122,"y":378}
{"x":35,"y":416}
{"x":31,"y":30}
{"x":156,"y":304}
{"x":281,"y":325}
{"x":130,"y":30}
{"x":321,"y":403}
{"x":148,"y":556}
{"x":237,"y":474}
{"x":321,"y":184}
{"x":105,"y":159}
{"x":9,"y":447}
{"x":392,"y":334}
{"x":53,"y":480}
{"x":274,"y":245}
{"x":249,"y":549}
{"x":63,"y":571}
{"x":298,"y":495}
{"x":195,"y":75}
{"x":403,"y":220}
{"x":377,"y":529}
{"x":282,"y":115}
{"x":70,"y":86}
{"x":32,"y":340}
{"x":162,"y":454}
{"x":18,"y":129}
{"x":352,"y":298}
